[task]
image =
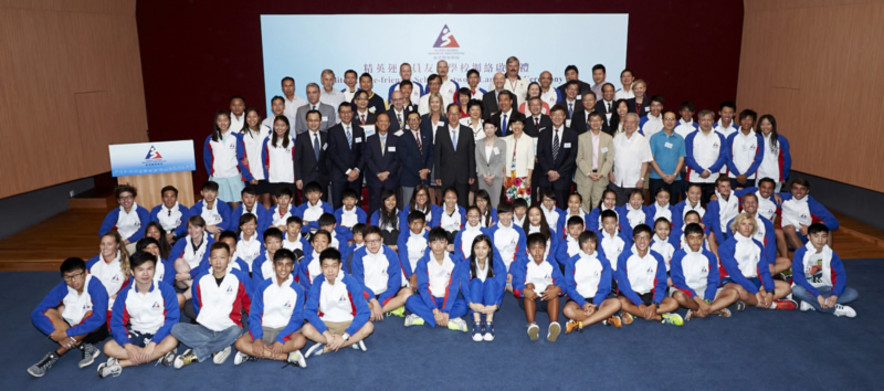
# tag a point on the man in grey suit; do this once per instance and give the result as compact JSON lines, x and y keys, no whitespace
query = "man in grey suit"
{"x":327,"y":112}
{"x":595,"y":158}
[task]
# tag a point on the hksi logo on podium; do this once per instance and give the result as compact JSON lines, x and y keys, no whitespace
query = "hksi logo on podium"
{"x":153,"y":154}
{"x":446,"y":39}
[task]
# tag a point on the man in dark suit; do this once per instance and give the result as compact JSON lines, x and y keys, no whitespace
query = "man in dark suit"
{"x":310,"y":154}
{"x":605,"y":106}
{"x":345,"y":142}
{"x":536,"y":121}
{"x":327,"y":112}
{"x":406,"y":87}
{"x":489,"y":100}
{"x":416,"y":156}
{"x":455,"y":157}
{"x":580,"y":119}
{"x":556,"y":157}
{"x":381,"y":162}
{"x":363,"y":114}
{"x":571,"y":73}
{"x":506,"y":113}
{"x":397,"y":112}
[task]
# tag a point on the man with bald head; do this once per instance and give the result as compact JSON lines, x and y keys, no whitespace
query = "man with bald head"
{"x":397,"y":111}
{"x":489,"y":100}
{"x":632,"y":155}
{"x":548,"y":95}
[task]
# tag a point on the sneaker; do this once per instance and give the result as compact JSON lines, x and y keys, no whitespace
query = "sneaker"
{"x":572,"y":325}
{"x":627,"y":318}
{"x":169,"y":358}
{"x":489,"y":332}
{"x":780,"y":276}
{"x":724,"y":313}
{"x":316,"y":350}
{"x":457,"y":324}
{"x":296,"y":358}
{"x":787,"y":305}
{"x":90,"y":353}
{"x":740,"y":306}
{"x":673,"y":319}
{"x":359,"y":346}
{"x":184,"y":359}
{"x":220,"y":357}
{"x":477,"y":332}
{"x":805,"y":306}
{"x":844,"y":310}
{"x":688,"y":316}
{"x":400,"y":312}
{"x":533,"y":331}
{"x":413,"y":320}
{"x":553,"y":332}
{"x":110,"y":368}
{"x":241,"y":357}
{"x":613,"y":321}
{"x":39,"y":369}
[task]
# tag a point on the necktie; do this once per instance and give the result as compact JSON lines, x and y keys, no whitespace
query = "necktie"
{"x":570,"y":109}
{"x":417,"y":138}
{"x":503,"y":126}
{"x":362,"y":117}
{"x":454,"y":139}
{"x":536,"y":123}
{"x":383,"y":145}
{"x":312,"y":107}
{"x":609,"y":106}
{"x":555,"y":147}
{"x":399,"y":117}
{"x":316,"y":145}
{"x":349,"y":138}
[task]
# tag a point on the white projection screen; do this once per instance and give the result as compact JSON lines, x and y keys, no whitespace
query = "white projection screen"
{"x":301,"y":46}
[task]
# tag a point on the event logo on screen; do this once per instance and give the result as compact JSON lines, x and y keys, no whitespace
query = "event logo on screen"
{"x":446,"y":39}
{"x":153,"y":158}
{"x":153,"y":154}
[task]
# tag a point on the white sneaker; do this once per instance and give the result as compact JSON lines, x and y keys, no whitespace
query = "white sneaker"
{"x":533,"y":331}
{"x":554,"y":330}
{"x":457,"y":324}
{"x":315,"y":350}
{"x":359,"y":346}
{"x":240,"y":358}
{"x":844,"y":310}
{"x":220,"y":357}
{"x":111,"y":368}
{"x":413,"y":320}
{"x":298,"y":359}
{"x":805,"y":306}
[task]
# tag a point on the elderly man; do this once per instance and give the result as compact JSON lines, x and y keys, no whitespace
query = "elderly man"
{"x":329,"y":95}
{"x":514,"y":83}
{"x":416,"y":90}
{"x":327,"y":112}
{"x":489,"y":100}
{"x":397,"y":111}
{"x":632,"y":154}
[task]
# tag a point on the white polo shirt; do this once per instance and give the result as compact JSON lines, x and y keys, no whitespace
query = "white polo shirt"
{"x":629,"y":154}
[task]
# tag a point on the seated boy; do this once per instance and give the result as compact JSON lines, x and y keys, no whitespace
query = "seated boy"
{"x":357,"y":239}
{"x":262,"y":267}
{"x":439,"y":277}
{"x":72,"y":315}
{"x":314,"y":207}
{"x":336,"y":309}
{"x":327,"y":222}
{"x":292,"y":238}
{"x":310,"y":268}
{"x":571,"y":245}
{"x":588,"y":278}
{"x":537,"y":284}
{"x":820,"y":279}
{"x":641,"y":279}
{"x":170,"y":214}
{"x":412,"y":246}
{"x":350,"y":214}
{"x":129,"y":220}
{"x":661,"y":243}
{"x":766,"y":235}
{"x":214,"y":211}
{"x":613,"y":242}
{"x":719,"y":212}
{"x":280,"y":213}
{"x":250,"y":204}
{"x":377,"y":268}
{"x":769,"y":207}
{"x":275,"y":318}
{"x":141,"y":320}
{"x":508,"y":238}
{"x":219,"y":297}
{"x":695,"y":278}
{"x":799,"y":211}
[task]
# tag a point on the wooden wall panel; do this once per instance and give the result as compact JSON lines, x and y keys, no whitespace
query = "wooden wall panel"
{"x":71,"y":85}
{"x":149,"y":187}
{"x":818,"y":67}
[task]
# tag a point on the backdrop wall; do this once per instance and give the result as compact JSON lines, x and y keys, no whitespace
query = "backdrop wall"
{"x":196,"y":54}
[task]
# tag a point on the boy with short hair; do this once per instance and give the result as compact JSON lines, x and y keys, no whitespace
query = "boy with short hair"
{"x":520,"y":211}
{"x":276,"y":315}
{"x":283,"y":210}
{"x":214,"y":211}
{"x":588,"y":278}
{"x":799,"y":211}
{"x":357,"y":240}
{"x":570,"y":247}
{"x":336,"y":310}
{"x":313,"y":208}
{"x":310,"y":267}
{"x":612,"y":242}
{"x":412,"y":245}
{"x":820,"y":279}
{"x":641,"y":279}
{"x":439,"y":277}
{"x":262,"y":267}
{"x":219,"y":297}
{"x":171,"y":215}
{"x":719,"y":212}
{"x":250,"y":204}
{"x":695,"y":278}
{"x":72,"y":315}
{"x":350,"y":214}
{"x":141,"y":321}
{"x":377,"y":268}
{"x":537,"y":284}
{"x":293,"y":240}
{"x":327,"y":222}
{"x":508,"y":238}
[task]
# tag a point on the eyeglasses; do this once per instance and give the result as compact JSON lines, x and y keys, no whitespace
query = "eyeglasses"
{"x":72,"y":277}
{"x":373,"y":241}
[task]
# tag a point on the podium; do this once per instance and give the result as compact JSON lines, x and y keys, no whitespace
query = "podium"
{"x":151,"y":166}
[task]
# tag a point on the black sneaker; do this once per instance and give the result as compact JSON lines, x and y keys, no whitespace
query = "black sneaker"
{"x":41,"y":367}
{"x":90,"y":353}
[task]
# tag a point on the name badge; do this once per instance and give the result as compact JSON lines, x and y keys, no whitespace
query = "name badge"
{"x":604,"y":149}
{"x":369,"y":130}
{"x":568,"y":123}
{"x":399,"y":133}
{"x":495,"y":151}
{"x":567,"y":145}
{"x":667,"y":145}
{"x":391,"y":149}
{"x":324,"y":147}
{"x":324,"y":118}
{"x":357,"y":140}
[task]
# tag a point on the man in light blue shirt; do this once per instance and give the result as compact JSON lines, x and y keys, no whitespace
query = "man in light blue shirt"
{"x":668,"y":151}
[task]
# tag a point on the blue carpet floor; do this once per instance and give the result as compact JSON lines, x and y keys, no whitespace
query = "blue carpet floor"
{"x":756,"y":349}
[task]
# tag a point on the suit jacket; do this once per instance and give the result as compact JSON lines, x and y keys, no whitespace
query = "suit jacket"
{"x":370,"y":118}
{"x":585,"y":156}
{"x":496,"y":117}
{"x":582,"y":87}
{"x":495,"y":165}
{"x":394,"y":122}
{"x":578,"y":122}
{"x":455,"y":166}
{"x":489,"y":104}
{"x":345,"y":157}
{"x":377,"y":162}
{"x":307,"y":168}
{"x":413,"y":159}
{"x":564,"y":162}
{"x":328,"y":116}
{"x":534,"y":131}
{"x":427,"y":125}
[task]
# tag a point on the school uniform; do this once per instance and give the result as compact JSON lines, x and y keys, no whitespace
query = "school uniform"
{"x":349,"y":218}
{"x":805,"y":211}
{"x":650,"y":125}
{"x":248,"y":250}
{"x":588,"y":278}
{"x":553,"y":218}
{"x":389,"y":229}
{"x":776,"y":162}
{"x":173,"y":220}
{"x":339,"y":302}
{"x":764,"y":234}
{"x":613,"y":245}
{"x":108,"y":271}
{"x":656,"y":211}
{"x":223,"y":160}
{"x":769,"y":208}
{"x":164,"y":272}
{"x":463,"y":240}
{"x":130,"y":225}
{"x":218,"y":215}
{"x":411,"y":248}
{"x":279,"y":164}
{"x":705,"y":152}
{"x":417,"y":89}
{"x":483,"y":288}
{"x":262,"y":215}
{"x":430,"y":212}
{"x":820,"y":273}
{"x":277,"y":310}
{"x":682,"y":208}
{"x":595,"y":218}
{"x":184,"y":249}
{"x":745,"y":263}
{"x":450,"y":222}
{"x":718,"y":215}
{"x":509,"y":241}
{"x":684,"y":128}
{"x":280,"y":218}
{"x":309,"y":270}
{"x":253,"y":141}
{"x":345,"y":145}
{"x":381,"y":155}
{"x":262,"y":268}
{"x":725,"y":130}
{"x":564,"y":216}
{"x":85,"y":312}
{"x":139,"y":318}
{"x":641,"y":279}
{"x":309,"y":214}
{"x":665,"y":248}
{"x":695,"y":273}
{"x":567,"y":248}
{"x":299,"y":243}
{"x":526,"y":271}
{"x":439,"y":287}
{"x":630,"y":218}
{"x":744,"y":154}
{"x":379,"y":273}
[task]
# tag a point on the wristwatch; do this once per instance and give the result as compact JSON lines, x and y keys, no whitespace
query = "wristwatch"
{"x":345,"y":336}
